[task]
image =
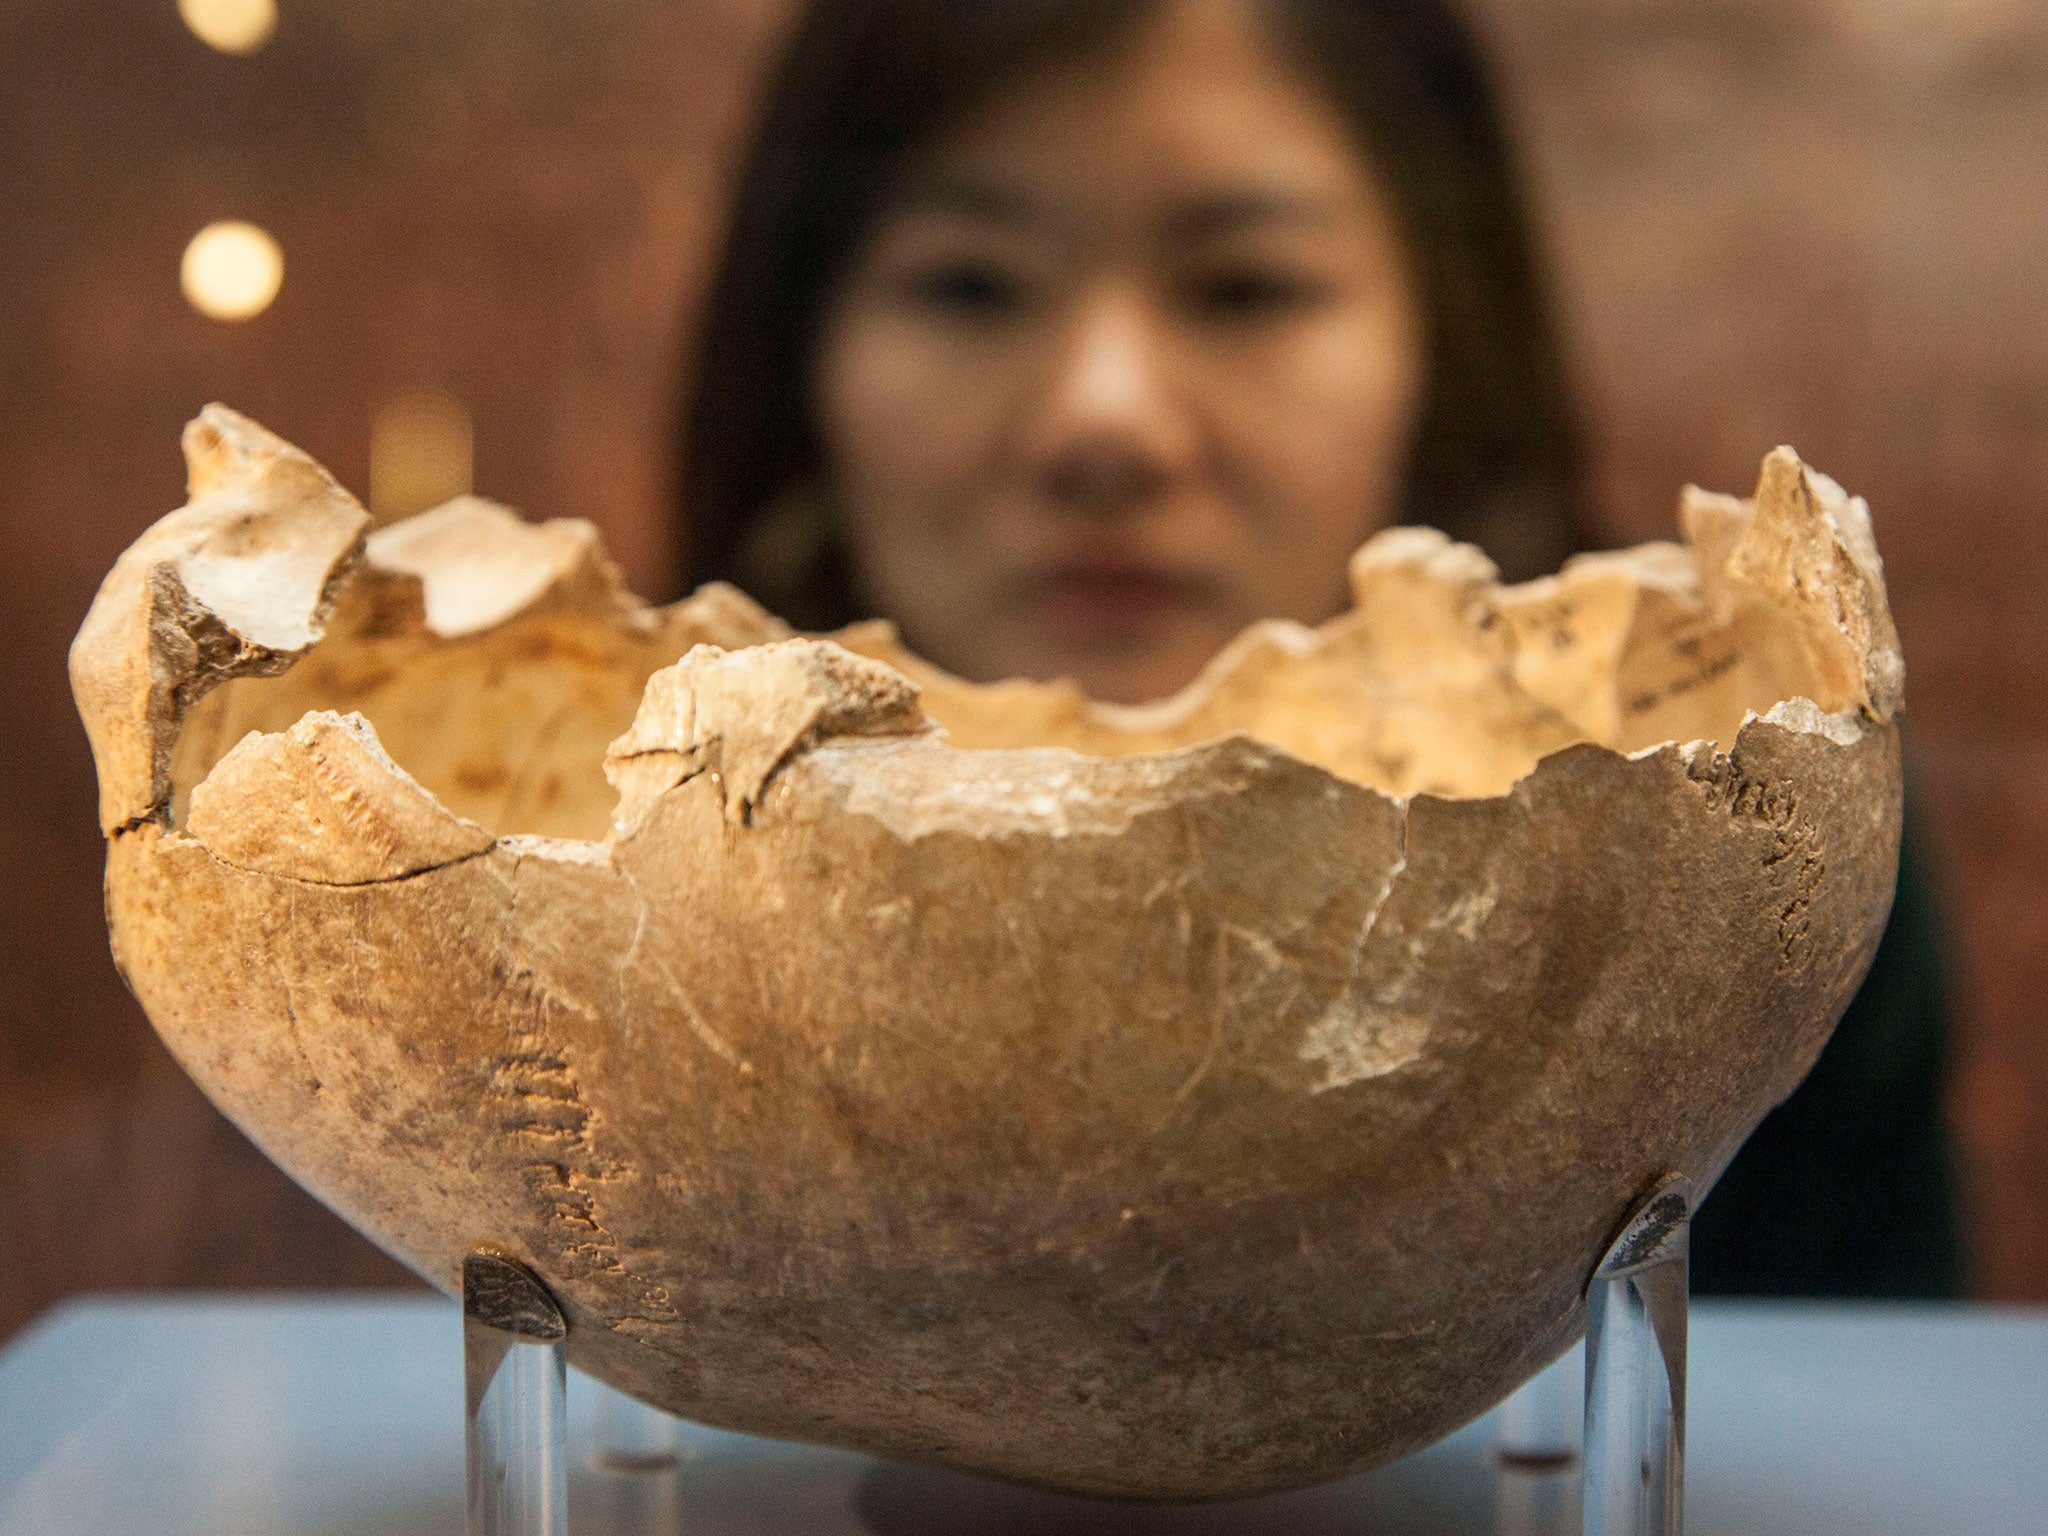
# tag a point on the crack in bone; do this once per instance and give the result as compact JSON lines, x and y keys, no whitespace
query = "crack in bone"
{"x":1354,"y":1039}
{"x":693,"y":1020}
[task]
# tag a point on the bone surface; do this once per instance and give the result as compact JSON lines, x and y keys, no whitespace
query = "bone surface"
{"x":1177,"y":1101}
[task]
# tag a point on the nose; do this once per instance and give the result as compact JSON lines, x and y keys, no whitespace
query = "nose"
{"x":1109,"y":431}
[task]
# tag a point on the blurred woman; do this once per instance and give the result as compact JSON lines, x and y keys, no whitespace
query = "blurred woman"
{"x":1076,"y":335}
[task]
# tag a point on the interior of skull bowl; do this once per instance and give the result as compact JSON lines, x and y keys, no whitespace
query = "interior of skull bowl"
{"x":1179,"y":1100}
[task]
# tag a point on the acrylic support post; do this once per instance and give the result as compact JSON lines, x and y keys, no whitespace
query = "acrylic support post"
{"x":1635,"y":1373}
{"x":516,"y":1391}
{"x":635,"y":1486}
{"x":1536,"y":1452}
{"x":512,"y":1339}
{"x":1599,"y":1448}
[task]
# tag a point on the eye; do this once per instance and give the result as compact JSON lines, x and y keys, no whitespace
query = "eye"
{"x":1253,"y":293}
{"x":973,"y":290}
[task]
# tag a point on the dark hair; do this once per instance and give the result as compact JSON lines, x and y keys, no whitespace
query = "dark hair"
{"x":863,"y":84}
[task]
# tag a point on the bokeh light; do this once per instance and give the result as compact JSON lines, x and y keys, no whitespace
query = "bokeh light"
{"x":232,"y":26}
{"x":231,"y":270}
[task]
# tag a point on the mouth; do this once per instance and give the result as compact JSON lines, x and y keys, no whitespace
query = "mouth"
{"x":1106,"y":598}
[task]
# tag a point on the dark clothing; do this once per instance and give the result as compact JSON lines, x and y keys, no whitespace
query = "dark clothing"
{"x":1845,"y":1189}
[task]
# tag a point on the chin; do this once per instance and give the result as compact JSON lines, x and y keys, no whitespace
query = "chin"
{"x":1133,"y":669}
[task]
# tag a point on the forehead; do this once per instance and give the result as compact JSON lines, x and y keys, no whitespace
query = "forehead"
{"x":1199,"y":104}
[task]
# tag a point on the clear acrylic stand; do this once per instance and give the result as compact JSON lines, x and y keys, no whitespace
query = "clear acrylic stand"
{"x":1624,"y":1408}
{"x":1635,"y":1373}
{"x":1536,"y":1452}
{"x":1537,"y":1429}
{"x":1634,"y":1427}
{"x":516,"y":1389}
{"x":636,"y":1456}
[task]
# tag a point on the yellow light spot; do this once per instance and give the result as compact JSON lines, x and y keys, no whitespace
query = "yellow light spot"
{"x":421,"y":453}
{"x":232,"y":26}
{"x":231,"y":270}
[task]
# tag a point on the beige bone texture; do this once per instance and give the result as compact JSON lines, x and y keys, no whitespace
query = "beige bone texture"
{"x":1176,"y":1101}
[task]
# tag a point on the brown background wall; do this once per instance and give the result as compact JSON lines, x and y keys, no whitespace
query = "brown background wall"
{"x":1814,"y":221}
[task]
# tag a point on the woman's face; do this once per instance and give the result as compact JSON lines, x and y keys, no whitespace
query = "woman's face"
{"x":1133,"y":361}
